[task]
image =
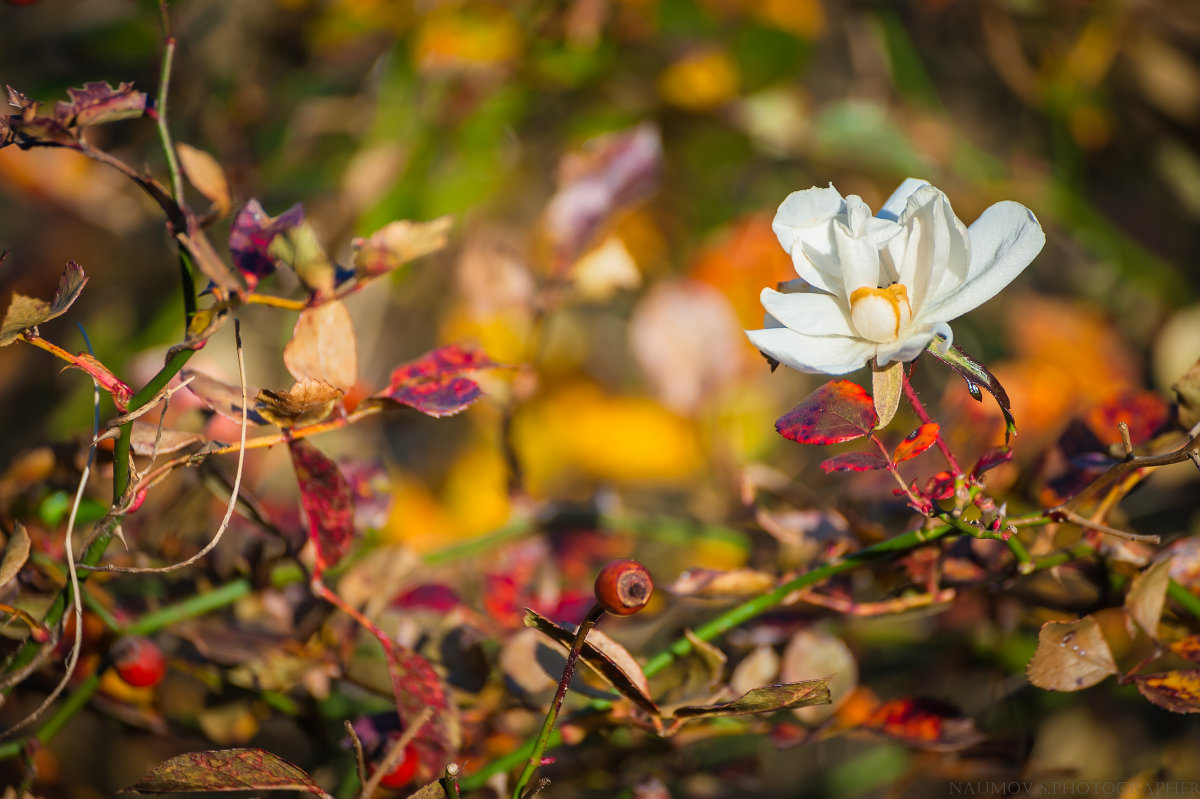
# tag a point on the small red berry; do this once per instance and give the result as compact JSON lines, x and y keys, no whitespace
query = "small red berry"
{"x":139,"y":661}
{"x":623,"y":587}
{"x":404,"y":771}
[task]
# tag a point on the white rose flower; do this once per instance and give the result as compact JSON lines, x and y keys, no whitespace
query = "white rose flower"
{"x":885,"y":286}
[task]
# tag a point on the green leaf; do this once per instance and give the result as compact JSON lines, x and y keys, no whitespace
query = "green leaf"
{"x":977,"y":376}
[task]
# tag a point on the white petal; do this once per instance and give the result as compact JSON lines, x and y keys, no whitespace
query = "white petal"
{"x":894,"y":205}
{"x":802,"y":225}
{"x":907,"y":348}
{"x":938,"y":246}
{"x":859,"y":259}
{"x":830,"y":355}
{"x":1004,"y":240}
{"x":812,"y":314}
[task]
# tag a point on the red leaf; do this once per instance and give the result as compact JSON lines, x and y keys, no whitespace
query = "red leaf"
{"x":251,"y":236}
{"x":433,"y":383}
{"x":328,"y":501}
{"x":991,"y":459}
{"x":854,"y":462}
{"x":417,"y":687}
{"x":925,"y":724}
{"x":837,"y":411}
{"x":98,"y":102}
{"x":1144,"y":412}
{"x":917,"y":442}
{"x":225,"y":770}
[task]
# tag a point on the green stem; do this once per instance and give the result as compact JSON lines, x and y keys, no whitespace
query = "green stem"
{"x":539,"y":746}
{"x":1183,"y":596}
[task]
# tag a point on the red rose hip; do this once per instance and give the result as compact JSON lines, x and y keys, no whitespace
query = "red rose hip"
{"x":138,"y":661}
{"x":623,"y":587}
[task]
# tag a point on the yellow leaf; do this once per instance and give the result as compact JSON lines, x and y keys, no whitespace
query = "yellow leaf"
{"x":700,"y":81}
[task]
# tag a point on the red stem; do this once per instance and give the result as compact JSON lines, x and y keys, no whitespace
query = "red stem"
{"x":911,"y":394}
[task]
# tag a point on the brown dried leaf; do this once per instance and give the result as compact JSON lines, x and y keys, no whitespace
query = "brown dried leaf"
{"x":433,"y":790}
{"x":323,"y":346}
{"x":767,"y":699}
{"x":611,"y":661}
{"x":142,"y":438}
{"x":1177,"y":691}
{"x":1146,"y":597}
{"x":222,"y":397}
{"x":1071,"y":656}
{"x":306,"y":402}
{"x":16,"y":552}
{"x":812,"y":652}
{"x":205,"y":174}
{"x":760,"y":667}
{"x":98,"y":102}
{"x":225,"y":770}
{"x":398,"y":243}
{"x":722,"y":584}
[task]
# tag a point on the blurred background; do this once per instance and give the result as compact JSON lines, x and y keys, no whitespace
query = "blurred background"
{"x":632,"y":389}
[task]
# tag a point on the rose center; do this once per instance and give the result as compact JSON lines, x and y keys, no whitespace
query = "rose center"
{"x":878,"y":314}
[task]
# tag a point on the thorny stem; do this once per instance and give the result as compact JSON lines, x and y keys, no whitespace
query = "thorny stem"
{"x":911,"y":394}
{"x":539,"y":746}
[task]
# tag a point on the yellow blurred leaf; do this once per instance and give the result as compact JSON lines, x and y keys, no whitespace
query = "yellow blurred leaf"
{"x":603,"y":271}
{"x":701,"y":80}
{"x":323,"y":346}
{"x":466,"y":38}
{"x":579,"y":431}
{"x":206,"y":176}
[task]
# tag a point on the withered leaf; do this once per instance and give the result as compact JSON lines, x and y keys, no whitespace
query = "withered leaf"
{"x":1070,"y":656}
{"x":117,"y":389}
{"x":16,"y":552}
{"x":398,"y":243}
{"x":323,"y":346}
{"x":1146,"y":597}
{"x":222,"y":397}
{"x":225,"y":770}
{"x":814,"y":651}
{"x":98,"y":102}
{"x":26,"y":312}
{"x":306,"y":402}
{"x":205,"y":174}
{"x":434,"y":383}
{"x":433,"y":790}
{"x":1177,"y":691}
{"x":766,"y":699}
{"x":607,"y":658}
{"x":722,"y":584}
{"x":144,"y":434}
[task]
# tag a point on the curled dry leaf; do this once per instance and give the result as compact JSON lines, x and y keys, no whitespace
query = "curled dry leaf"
{"x":722,"y":584}
{"x":1177,"y":691}
{"x":1071,"y":656}
{"x":206,"y":176}
{"x":110,"y":383}
{"x":398,"y":243}
{"x":323,"y":346}
{"x":145,"y":439}
{"x":767,"y":699}
{"x":306,"y":402}
{"x":836,"y":412}
{"x":812,"y":652}
{"x":1146,"y":597}
{"x":221,"y":397}
{"x":611,"y":661}
{"x":225,"y":770}
{"x":26,"y":312}
{"x":16,"y":552}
